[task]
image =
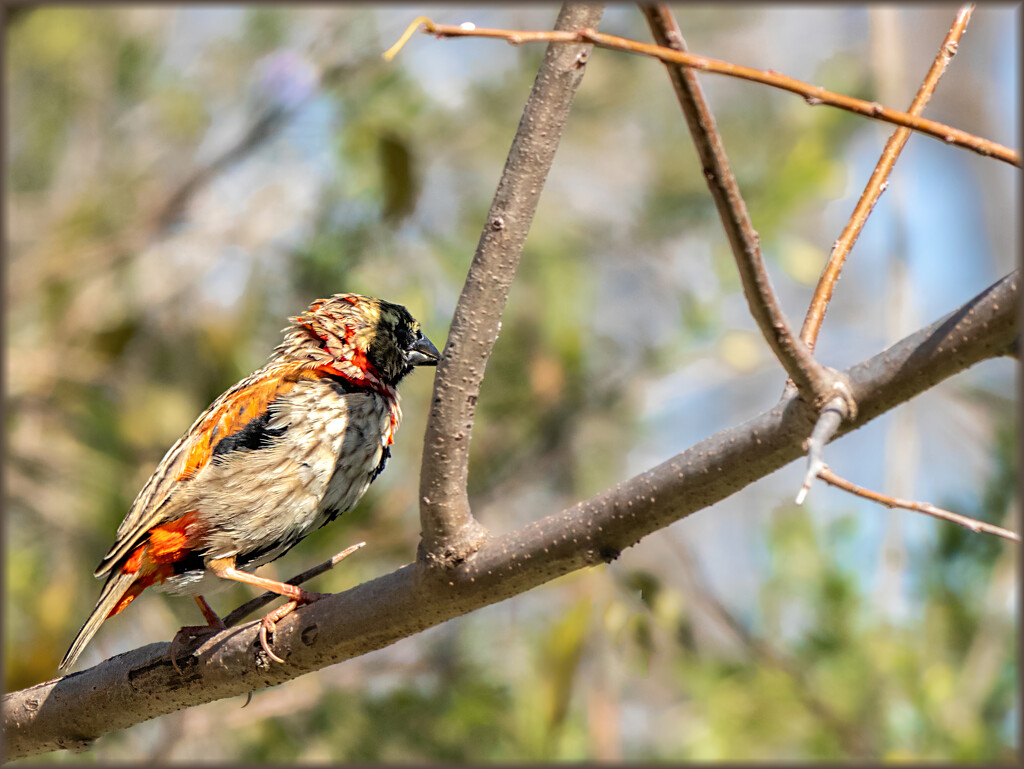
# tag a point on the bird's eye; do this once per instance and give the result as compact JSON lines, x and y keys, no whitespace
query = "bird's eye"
{"x":405,"y":338}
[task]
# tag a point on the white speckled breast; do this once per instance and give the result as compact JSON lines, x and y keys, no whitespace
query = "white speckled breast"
{"x":326,"y":448}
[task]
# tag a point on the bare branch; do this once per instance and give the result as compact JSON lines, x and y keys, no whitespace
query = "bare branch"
{"x":877,"y":183}
{"x":813,"y":380}
{"x":918,"y":507}
{"x":824,"y":430}
{"x":450,"y":533}
{"x":72,"y":711}
{"x":813,"y":95}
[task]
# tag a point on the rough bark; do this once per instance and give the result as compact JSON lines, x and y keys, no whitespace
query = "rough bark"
{"x":450,"y":532}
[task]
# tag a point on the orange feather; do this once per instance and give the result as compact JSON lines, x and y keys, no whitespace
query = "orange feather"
{"x":235,"y":413}
{"x":172,"y":541}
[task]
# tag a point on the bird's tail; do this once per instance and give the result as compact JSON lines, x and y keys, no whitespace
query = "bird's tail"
{"x":116,"y":586}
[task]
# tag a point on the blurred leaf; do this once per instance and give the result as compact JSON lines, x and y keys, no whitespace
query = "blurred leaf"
{"x":399,"y":180}
{"x":266,"y":27}
{"x":135,"y":62}
{"x":801,"y":260}
{"x":558,"y":659}
{"x":181,"y":110}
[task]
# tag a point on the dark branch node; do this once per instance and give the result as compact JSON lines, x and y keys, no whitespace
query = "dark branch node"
{"x":310,"y":634}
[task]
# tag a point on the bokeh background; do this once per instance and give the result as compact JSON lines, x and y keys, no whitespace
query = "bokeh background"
{"x":181,"y":179}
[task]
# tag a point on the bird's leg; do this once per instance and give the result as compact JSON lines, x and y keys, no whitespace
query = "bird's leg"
{"x":212,"y":620}
{"x":214,"y":624}
{"x":225,"y":568}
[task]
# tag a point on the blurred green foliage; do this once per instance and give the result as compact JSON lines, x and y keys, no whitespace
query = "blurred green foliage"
{"x":120,"y":331}
{"x":462,"y":718}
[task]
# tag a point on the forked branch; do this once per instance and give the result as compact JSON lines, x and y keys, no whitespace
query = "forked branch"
{"x":814,"y":382}
{"x":831,"y":417}
{"x":72,"y":711}
{"x":450,"y":532}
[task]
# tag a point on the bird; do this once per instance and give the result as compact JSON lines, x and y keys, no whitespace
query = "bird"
{"x":275,"y":457}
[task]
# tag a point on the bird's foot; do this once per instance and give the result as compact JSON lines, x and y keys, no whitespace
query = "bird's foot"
{"x":268,"y":623}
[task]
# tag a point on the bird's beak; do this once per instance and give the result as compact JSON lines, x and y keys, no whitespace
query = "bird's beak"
{"x":423,"y":353}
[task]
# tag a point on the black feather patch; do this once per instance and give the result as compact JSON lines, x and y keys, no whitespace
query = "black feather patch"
{"x":343,"y":386}
{"x":384,"y":455}
{"x":244,"y":560}
{"x":255,"y":435}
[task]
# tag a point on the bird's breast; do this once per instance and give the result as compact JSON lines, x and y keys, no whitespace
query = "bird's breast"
{"x":359,"y":450}
{"x":322,"y":447}
{"x":351,"y":432}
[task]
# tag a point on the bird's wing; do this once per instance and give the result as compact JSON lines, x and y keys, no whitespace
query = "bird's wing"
{"x":238,"y":414}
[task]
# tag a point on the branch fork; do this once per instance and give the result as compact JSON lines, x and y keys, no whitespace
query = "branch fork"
{"x":451,"y":534}
{"x":140,"y":684}
{"x":71,"y":711}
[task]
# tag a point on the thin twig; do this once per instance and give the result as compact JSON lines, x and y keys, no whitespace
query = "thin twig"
{"x":978,"y":527}
{"x":877,"y":183}
{"x":263,"y":128}
{"x":260,"y":601}
{"x":811,"y":378}
{"x":391,"y":52}
{"x":829,"y":420}
{"x":813,"y":95}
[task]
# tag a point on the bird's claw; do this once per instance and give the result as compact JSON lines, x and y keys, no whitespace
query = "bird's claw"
{"x":266,"y":630}
{"x":269,"y":622}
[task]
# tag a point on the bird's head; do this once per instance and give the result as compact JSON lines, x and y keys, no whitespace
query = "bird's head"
{"x":361,"y":337}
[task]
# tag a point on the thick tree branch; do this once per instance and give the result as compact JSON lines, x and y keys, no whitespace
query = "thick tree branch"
{"x":812,"y":380}
{"x":139,"y":685}
{"x":812,"y":94}
{"x":878,"y":182}
{"x":450,"y":533}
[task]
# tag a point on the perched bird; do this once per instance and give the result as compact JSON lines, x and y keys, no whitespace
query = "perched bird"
{"x":277,"y":456}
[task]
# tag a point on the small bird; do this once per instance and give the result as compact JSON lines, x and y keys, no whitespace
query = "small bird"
{"x":286,"y":450}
